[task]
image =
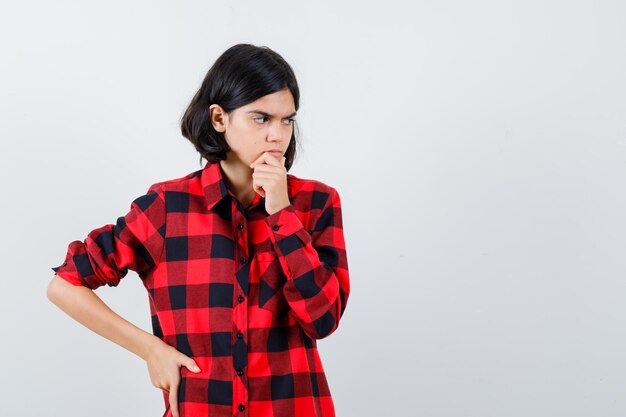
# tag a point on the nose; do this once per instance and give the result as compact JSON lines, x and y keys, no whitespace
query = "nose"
{"x":278,"y":134}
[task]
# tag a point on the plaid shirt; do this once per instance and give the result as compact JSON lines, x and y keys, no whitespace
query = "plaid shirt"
{"x":244,"y":293}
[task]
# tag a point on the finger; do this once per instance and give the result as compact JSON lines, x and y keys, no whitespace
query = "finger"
{"x":269,"y":168}
{"x":269,"y":172}
{"x":257,"y":186}
{"x":267,"y":177}
{"x":191,"y":365}
{"x":174,"y":399}
{"x":256,"y":161}
{"x":268,"y":158}
{"x":260,"y":179}
{"x":264,"y":174}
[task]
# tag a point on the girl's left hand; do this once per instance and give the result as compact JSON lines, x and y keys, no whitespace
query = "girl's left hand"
{"x":270,"y":180}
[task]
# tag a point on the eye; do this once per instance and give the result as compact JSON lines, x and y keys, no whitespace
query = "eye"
{"x":289,"y":121}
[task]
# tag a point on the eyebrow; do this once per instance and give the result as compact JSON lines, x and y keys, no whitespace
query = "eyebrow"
{"x":269,"y":115}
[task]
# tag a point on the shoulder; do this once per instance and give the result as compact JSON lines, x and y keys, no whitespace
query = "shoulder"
{"x":182,"y":183}
{"x":311,"y":192}
{"x":299,"y":184}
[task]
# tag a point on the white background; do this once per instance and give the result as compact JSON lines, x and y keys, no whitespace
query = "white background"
{"x":479,"y":149}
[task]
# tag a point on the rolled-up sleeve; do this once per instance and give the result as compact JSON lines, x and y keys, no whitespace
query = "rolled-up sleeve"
{"x":134,"y":242}
{"x":316,"y":265}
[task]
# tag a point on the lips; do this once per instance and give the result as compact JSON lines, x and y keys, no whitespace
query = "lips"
{"x":275,"y":152}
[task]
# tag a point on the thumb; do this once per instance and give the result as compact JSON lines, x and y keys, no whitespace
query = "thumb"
{"x":191,"y":365}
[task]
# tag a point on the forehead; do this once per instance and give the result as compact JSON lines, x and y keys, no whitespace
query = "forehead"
{"x":279,"y":103}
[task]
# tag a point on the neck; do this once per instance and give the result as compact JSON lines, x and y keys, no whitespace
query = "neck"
{"x":238,"y":178}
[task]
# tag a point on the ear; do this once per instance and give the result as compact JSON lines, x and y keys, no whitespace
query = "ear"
{"x":219,"y":118}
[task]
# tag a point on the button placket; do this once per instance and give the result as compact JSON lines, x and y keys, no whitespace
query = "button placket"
{"x":240,"y":309}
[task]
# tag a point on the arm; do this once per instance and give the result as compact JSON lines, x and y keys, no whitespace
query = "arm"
{"x":134,"y":242}
{"x":315,"y":264}
{"x":163,"y":360}
{"x":84,"y":306}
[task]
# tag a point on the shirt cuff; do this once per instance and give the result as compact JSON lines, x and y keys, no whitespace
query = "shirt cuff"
{"x":63,"y":271}
{"x":289,"y":236}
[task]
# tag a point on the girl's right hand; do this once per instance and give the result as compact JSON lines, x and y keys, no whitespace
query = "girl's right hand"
{"x":164,"y":362}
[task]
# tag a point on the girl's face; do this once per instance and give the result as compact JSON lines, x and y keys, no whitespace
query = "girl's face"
{"x":263,"y":125}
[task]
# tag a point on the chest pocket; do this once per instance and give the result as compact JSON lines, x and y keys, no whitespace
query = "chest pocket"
{"x":271,"y":281}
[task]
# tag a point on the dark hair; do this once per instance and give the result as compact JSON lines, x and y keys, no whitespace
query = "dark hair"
{"x":242,"y":74}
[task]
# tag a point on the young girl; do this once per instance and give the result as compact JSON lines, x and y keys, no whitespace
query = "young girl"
{"x":244,"y":265}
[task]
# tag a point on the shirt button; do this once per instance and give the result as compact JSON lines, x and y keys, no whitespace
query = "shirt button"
{"x":241,"y":407}
{"x":239,"y":372}
{"x":240,"y":226}
{"x":242,"y":260}
{"x":276,"y":227}
{"x":240,"y":299}
{"x":239,"y":335}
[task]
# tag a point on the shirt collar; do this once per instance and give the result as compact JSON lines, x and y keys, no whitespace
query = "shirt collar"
{"x":215,"y":188}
